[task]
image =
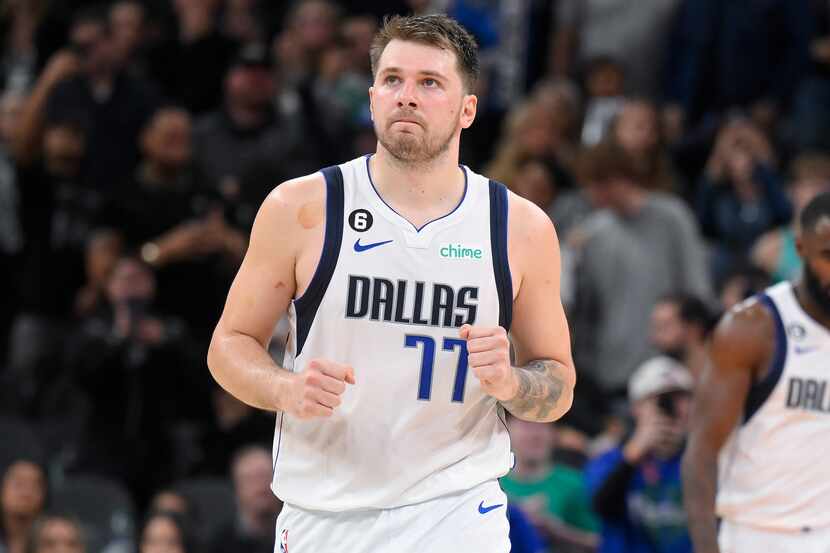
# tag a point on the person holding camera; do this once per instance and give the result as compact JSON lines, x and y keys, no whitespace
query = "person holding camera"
{"x":636,"y":488}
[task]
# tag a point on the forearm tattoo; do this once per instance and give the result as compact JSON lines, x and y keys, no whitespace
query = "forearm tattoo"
{"x":540,"y":387}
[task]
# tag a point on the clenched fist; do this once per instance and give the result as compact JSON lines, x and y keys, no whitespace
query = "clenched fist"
{"x":316,"y":391}
{"x":489,"y":359}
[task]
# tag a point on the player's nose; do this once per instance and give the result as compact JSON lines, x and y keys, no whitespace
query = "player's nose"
{"x":407,"y":96}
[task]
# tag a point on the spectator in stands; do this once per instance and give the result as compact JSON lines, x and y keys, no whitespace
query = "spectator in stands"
{"x":532,"y":129}
{"x":192,"y":59}
{"x":636,"y":33}
{"x":680,"y":326}
{"x":103,"y":250}
{"x":127,"y":22}
{"x":175,"y":218}
{"x":11,"y":231}
{"x":775,"y":251}
{"x":58,"y":212}
{"x":117,"y":357}
{"x":642,"y":246}
{"x":604,"y":83}
{"x":231,"y":426}
{"x":743,"y":281}
{"x":811,"y":114}
{"x":55,"y":534}
{"x":243,"y":21}
{"x":23,"y":491}
{"x":550,"y":493}
{"x":18,"y":52}
{"x":165,"y":532}
{"x":171,"y":501}
{"x":746,"y":55}
{"x":636,"y":129}
{"x":253,"y":530}
{"x":310,"y":30}
{"x":740,"y":195}
{"x":247,"y":147}
{"x":83,"y":83}
{"x":636,"y":488}
{"x":523,"y":536}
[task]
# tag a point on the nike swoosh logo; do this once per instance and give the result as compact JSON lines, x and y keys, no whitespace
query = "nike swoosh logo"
{"x":358,"y":247}
{"x":484,"y":510}
{"x":802,"y":350}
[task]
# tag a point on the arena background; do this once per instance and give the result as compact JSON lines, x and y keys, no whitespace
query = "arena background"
{"x":138,"y":138}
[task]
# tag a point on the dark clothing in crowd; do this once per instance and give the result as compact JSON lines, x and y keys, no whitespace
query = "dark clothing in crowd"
{"x":732,"y":53}
{"x":641,"y":507}
{"x":112,"y":124}
{"x":247,"y":164}
{"x":195,"y":288}
{"x":192,"y":73}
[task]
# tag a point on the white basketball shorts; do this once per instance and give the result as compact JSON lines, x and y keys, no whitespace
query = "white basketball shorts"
{"x":474,"y":520}
{"x":734,"y":538}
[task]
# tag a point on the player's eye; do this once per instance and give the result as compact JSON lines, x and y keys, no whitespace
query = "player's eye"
{"x":392,"y":79}
{"x":430,"y":83}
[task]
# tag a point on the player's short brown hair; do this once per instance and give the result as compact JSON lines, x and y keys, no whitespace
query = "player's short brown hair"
{"x":433,"y":30}
{"x":604,"y":162}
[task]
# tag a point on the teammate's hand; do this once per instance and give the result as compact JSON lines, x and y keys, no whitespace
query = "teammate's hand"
{"x":489,"y":359}
{"x":318,"y":388}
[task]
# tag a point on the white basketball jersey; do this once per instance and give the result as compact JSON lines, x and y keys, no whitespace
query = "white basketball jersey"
{"x":774,"y":470}
{"x":389,"y":299}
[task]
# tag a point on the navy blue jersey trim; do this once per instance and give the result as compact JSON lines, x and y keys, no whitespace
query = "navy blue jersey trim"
{"x":307,"y":305}
{"x":760,"y":391}
{"x":392,"y":209}
{"x":498,"y":246}
{"x":279,"y":443}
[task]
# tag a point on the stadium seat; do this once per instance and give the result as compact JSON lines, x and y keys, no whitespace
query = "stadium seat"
{"x":104,"y":509}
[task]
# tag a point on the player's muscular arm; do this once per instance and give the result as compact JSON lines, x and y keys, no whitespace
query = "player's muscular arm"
{"x":740,"y":347}
{"x":287,"y":233}
{"x":540,"y":387}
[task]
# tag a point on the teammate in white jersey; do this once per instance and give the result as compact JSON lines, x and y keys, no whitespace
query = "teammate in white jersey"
{"x":401,"y":274}
{"x":761,"y":435}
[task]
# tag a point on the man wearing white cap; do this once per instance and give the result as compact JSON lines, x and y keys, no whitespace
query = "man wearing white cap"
{"x":636,"y":488}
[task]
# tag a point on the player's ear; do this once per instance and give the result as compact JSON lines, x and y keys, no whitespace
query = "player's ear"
{"x":371,"y":103}
{"x":468,"y":110}
{"x":799,"y":245}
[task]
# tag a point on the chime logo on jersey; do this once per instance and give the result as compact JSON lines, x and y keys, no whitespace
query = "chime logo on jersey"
{"x":419,"y":303}
{"x":284,"y":541}
{"x":461,"y":251}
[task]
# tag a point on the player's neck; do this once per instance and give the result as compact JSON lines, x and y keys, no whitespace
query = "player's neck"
{"x":428,"y":189}
{"x":810,"y":305}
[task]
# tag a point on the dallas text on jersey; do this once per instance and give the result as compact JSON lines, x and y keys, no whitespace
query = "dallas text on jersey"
{"x":401,"y":301}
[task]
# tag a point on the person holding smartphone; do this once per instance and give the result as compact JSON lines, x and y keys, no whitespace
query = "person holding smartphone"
{"x":635,"y":488}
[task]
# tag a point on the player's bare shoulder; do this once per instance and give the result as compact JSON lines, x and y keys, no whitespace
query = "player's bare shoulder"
{"x":532,"y":241}
{"x":744,"y":337}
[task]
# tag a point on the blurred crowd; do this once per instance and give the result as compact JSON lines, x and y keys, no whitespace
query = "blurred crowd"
{"x":672,"y":142}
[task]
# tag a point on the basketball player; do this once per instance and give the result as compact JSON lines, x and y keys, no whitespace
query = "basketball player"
{"x":763,"y":404}
{"x":401,"y":273}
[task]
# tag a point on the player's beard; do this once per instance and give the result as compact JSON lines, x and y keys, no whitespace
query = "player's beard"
{"x":414,"y":149}
{"x":819,"y":293}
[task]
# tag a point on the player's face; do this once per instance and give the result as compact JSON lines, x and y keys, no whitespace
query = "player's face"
{"x":418,"y":101}
{"x":814,"y":247}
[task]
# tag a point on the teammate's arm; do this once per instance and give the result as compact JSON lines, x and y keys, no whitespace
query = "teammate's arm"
{"x":739,"y":346}
{"x":289,"y":222}
{"x":540,"y":387}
